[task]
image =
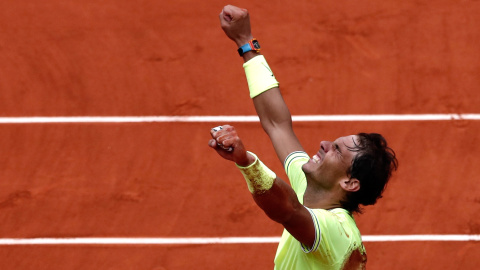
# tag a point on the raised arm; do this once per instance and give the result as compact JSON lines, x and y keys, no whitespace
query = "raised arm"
{"x":268,"y":101}
{"x":276,"y":198}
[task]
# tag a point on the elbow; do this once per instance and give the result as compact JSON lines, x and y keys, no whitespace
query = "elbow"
{"x":271,"y":126}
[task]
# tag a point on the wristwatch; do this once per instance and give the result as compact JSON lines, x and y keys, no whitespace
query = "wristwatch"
{"x":252,"y":45}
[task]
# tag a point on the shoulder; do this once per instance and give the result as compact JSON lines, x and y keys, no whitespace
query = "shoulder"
{"x":336,"y":236}
{"x":336,"y":227}
{"x":293,"y":167}
{"x":294,"y":159}
{"x":337,"y":217}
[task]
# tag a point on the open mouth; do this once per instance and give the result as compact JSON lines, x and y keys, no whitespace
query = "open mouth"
{"x":316,"y":158}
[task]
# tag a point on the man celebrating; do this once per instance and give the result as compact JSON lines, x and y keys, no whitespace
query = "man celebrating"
{"x":316,"y":210}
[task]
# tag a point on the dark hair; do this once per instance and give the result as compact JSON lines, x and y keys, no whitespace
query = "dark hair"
{"x":372,"y":166}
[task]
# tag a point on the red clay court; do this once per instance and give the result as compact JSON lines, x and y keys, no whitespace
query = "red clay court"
{"x":406,"y":69}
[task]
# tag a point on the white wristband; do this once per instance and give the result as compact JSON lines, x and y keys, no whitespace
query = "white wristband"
{"x":258,"y":176}
{"x":259,"y":76}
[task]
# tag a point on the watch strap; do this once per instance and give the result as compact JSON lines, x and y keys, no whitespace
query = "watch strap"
{"x":252,"y":45}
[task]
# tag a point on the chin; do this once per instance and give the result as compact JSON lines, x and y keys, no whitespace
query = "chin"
{"x":305,"y":168}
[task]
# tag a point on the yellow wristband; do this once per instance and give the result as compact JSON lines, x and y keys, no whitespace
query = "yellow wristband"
{"x":258,"y":176}
{"x":259,"y":76}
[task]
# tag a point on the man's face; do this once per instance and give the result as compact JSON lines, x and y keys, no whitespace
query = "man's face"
{"x":330,"y":164}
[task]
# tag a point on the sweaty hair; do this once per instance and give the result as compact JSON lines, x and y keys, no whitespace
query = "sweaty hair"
{"x":372,"y":166}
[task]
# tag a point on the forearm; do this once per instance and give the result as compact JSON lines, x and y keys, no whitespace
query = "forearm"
{"x":280,"y":203}
{"x":264,"y":91}
{"x":272,"y":110}
{"x":276,"y":198}
{"x":263,"y":86}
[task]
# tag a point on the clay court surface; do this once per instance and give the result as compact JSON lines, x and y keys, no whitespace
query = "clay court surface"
{"x":151,"y":180}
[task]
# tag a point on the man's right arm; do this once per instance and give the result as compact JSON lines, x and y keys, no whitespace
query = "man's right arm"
{"x":277,"y":122}
{"x":274,"y":115}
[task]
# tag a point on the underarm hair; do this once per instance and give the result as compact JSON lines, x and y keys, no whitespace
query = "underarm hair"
{"x":258,"y":176}
{"x":259,"y":76}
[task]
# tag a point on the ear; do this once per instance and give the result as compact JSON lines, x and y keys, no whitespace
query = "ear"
{"x":351,"y":184}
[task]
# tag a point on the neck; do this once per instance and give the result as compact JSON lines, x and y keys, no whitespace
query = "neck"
{"x":319,"y":198}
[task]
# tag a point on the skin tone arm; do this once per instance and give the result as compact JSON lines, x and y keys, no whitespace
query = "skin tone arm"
{"x":280,"y":202}
{"x":270,"y":106}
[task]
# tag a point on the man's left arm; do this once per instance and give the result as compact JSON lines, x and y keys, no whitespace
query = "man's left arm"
{"x":280,"y":203}
{"x":276,"y":198}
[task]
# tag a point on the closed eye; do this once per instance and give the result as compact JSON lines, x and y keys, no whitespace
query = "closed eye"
{"x":337,"y":148}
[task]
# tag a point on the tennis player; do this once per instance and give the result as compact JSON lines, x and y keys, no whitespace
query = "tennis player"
{"x":325,"y":189}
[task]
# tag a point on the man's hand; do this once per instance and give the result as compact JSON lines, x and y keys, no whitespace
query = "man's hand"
{"x":235,"y":23}
{"x":229,"y":146}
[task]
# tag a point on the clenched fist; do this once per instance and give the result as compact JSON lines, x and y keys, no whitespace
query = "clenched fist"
{"x":228,"y":145}
{"x":235,"y":23}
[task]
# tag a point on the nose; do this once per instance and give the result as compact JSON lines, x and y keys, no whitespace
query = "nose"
{"x":326,"y":146}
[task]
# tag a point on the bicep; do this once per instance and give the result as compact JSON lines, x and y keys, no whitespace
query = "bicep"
{"x":281,"y":204}
{"x":285,"y":142}
{"x":302,"y":227}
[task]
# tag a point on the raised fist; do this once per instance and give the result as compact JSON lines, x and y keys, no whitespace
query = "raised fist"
{"x":235,"y":23}
{"x":228,"y":145}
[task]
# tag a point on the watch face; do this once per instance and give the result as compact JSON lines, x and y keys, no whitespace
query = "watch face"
{"x":256,"y":45}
